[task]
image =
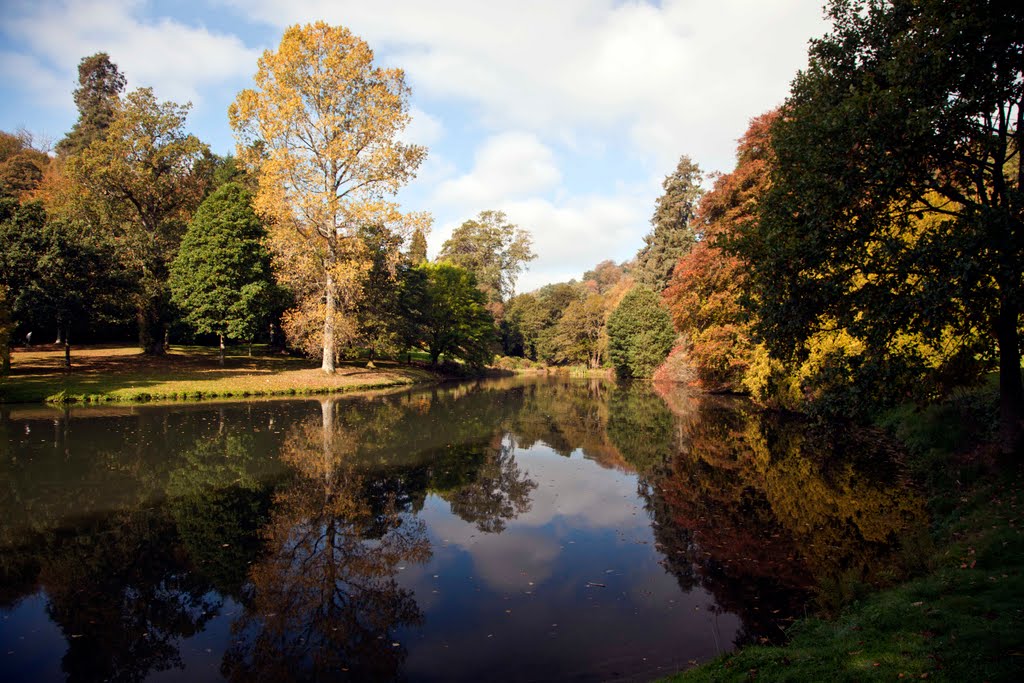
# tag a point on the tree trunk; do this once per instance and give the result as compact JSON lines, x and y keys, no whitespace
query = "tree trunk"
{"x":328,"y":358}
{"x":1011,"y":388}
{"x":151,"y":331}
{"x":327,"y":415}
{"x":250,"y":348}
{"x":221,"y":350}
{"x":60,"y":335}
{"x":67,"y":346}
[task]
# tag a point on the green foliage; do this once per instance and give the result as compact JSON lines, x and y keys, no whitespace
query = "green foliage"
{"x":640,"y":334}
{"x":672,"y":235}
{"x":144,"y":178}
{"x":221,"y":279}
{"x":452,"y":318}
{"x":54,"y":271}
{"x":491,"y":248}
{"x":6,"y":331}
{"x":579,"y":335}
{"x":895,"y":207}
{"x":529,"y":325}
{"x":378,"y":312}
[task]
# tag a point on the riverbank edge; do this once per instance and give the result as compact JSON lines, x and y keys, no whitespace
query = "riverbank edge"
{"x":62,"y":398}
{"x":960,"y":617}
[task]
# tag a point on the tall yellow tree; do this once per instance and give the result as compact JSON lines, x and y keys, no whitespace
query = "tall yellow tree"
{"x":321,"y":128}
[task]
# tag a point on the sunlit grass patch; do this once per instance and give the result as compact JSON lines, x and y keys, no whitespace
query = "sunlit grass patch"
{"x":185,"y":373}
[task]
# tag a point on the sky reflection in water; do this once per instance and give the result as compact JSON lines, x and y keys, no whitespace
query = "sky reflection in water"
{"x":515,"y":529}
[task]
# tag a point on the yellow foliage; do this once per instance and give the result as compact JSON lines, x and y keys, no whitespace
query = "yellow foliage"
{"x":320,"y":131}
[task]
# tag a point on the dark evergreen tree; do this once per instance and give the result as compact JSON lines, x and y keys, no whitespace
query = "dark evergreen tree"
{"x":97,"y":96}
{"x":222,"y":280}
{"x":672,"y":236}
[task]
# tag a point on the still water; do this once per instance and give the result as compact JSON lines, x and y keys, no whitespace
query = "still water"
{"x":522,"y":529}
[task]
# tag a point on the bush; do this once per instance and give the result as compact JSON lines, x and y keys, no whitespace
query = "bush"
{"x":640,"y":334}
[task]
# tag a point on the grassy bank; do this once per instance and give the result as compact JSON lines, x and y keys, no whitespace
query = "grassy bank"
{"x":963,"y":617}
{"x":118,"y":373}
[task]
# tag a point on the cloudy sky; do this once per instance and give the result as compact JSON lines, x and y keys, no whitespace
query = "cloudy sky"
{"x":566,"y":114}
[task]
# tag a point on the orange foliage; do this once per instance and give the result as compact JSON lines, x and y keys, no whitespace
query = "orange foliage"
{"x":704,"y":293}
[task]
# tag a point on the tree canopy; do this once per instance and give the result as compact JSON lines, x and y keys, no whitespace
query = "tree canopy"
{"x":493,"y":249}
{"x":671,"y":236}
{"x":908,"y":110}
{"x":453,"y":318}
{"x":100,"y":85}
{"x":640,"y":334}
{"x":221,"y":279}
{"x":321,"y":127}
{"x":144,"y":180}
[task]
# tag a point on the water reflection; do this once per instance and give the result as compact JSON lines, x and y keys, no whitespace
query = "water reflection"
{"x":324,"y":598}
{"x":608,"y":530}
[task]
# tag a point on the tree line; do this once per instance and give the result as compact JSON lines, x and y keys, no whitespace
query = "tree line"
{"x":867,"y":248}
{"x":133,"y":224}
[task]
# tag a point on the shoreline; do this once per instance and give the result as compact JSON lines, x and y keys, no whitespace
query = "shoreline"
{"x":123,"y":375}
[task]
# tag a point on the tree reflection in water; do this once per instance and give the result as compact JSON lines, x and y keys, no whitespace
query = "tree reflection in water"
{"x":498,"y":492}
{"x":762,"y":510}
{"x":136,"y":536}
{"x":324,"y":596}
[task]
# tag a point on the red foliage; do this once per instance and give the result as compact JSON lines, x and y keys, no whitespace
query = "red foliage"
{"x":704,"y":293}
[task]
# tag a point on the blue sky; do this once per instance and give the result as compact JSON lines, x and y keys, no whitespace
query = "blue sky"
{"x":566,"y":114}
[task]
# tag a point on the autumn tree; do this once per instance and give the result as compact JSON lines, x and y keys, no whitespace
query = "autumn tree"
{"x":221,"y":279}
{"x":671,"y":235}
{"x":907,"y":110}
{"x":100,"y":85}
{"x":494,"y":250}
{"x":640,"y":334}
{"x":21,"y":165}
{"x":321,"y":129}
{"x":143,"y":180}
{"x":604,"y":276}
{"x":704,"y":294}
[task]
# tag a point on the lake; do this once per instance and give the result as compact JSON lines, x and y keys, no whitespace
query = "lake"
{"x":517,"y":529}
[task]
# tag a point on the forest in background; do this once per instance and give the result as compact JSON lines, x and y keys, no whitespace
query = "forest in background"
{"x":866,"y":250}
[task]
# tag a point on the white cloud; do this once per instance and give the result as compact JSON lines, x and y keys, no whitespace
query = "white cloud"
{"x":45,"y":86}
{"x":508,"y":165}
{"x":424,"y":129}
{"x":572,"y":236}
{"x":176,"y":60}
{"x":682,"y":77}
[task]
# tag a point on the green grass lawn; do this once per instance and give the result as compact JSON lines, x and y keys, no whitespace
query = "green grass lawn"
{"x":119,"y":373}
